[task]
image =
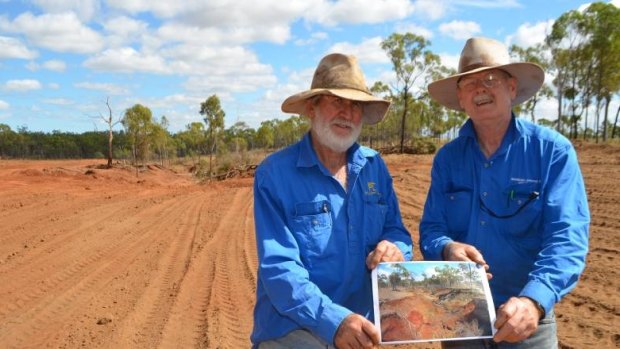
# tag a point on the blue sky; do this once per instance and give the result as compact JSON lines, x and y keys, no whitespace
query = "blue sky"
{"x":61,"y":59}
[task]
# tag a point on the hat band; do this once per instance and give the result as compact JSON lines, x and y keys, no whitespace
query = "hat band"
{"x":477,"y":65}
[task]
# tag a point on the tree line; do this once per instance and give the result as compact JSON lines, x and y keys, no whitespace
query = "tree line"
{"x":582,"y":52}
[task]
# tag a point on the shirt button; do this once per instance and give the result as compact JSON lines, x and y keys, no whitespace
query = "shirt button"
{"x":483,"y":222}
{"x":486,"y":165}
{"x":315,"y":222}
{"x":484,"y":194}
{"x":451,"y":197}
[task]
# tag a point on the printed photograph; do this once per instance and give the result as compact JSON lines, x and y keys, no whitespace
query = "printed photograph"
{"x":432,"y":301}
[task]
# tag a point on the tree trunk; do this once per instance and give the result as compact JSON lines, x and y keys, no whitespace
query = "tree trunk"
{"x":613,"y":132}
{"x":607,"y":101}
{"x":598,"y":118}
{"x":558,"y":126}
{"x":110,"y":136}
{"x":585,"y":127}
{"x":402,"y":124}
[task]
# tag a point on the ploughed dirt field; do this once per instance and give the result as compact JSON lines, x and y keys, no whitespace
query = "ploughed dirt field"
{"x":95,"y":258}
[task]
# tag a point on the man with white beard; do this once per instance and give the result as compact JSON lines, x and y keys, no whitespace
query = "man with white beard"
{"x":326,"y":214}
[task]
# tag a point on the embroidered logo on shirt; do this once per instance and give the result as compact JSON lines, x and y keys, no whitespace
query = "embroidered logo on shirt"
{"x":524,"y":180}
{"x":371,"y":189}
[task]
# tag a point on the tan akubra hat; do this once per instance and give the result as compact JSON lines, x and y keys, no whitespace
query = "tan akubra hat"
{"x":481,"y":54}
{"x":339,"y":75}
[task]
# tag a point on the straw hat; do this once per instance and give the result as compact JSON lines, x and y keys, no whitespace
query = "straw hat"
{"x":480,"y":54}
{"x":339,"y":75}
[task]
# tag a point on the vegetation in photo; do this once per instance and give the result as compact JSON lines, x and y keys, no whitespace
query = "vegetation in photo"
{"x":422,"y":301}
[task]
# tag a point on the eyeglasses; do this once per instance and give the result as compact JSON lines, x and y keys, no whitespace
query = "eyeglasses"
{"x":489,"y":81}
{"x":343,"y":104}
{"x":533,"y":196}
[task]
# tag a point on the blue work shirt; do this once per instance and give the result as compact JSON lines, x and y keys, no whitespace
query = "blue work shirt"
{"x":313,"y":238}
{"x":537,"y":252}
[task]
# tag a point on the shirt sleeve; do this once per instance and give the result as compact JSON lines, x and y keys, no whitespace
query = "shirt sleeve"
{"x":283,"y":275}
{"x":433,"y":226}
{"x":565,"y":231}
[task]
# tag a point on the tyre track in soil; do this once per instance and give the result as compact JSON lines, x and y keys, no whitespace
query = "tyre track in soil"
{"x":58,"y":263}
{"x":42,"y":312}
{"x":142,"y":328}
{"x":218,"y":316}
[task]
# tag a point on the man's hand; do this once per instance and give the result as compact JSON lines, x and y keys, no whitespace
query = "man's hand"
{"x":355,"y":332}
{"x":384,"y":252}
{"x":457,"y":251}
{"x":517,"y":319}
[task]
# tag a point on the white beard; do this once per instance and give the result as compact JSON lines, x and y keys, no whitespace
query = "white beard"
{"x":329,"y":139}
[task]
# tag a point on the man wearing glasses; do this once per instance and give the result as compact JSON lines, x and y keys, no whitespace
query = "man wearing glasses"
{"x":506,"y":194}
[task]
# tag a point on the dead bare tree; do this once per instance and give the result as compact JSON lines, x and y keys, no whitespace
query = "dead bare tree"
{"x":111,"y":123}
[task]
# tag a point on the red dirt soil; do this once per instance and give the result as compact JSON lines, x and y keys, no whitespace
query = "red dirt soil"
{"x":114,"y":260}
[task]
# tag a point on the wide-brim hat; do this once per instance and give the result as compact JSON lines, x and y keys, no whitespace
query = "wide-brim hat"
{"x":340,"y":75}
{"x":480,"y":54}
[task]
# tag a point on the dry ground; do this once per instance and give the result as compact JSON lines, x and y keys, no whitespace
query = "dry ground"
{"x":111,"y":260}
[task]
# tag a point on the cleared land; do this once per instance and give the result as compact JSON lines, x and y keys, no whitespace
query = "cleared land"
{"x":109,"y":259}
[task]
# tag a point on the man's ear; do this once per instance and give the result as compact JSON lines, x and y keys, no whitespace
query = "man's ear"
{"x":309,"y":108}
{"x":512,"y":85}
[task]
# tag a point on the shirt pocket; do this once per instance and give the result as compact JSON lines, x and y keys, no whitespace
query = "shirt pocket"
{"x":375,"y":213}
{"x":312,"y":227}
{"x":458,"y":210}
{"x":523,"y":201}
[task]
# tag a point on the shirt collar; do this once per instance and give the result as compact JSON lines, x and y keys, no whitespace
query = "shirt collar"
{"x":515,"y":129}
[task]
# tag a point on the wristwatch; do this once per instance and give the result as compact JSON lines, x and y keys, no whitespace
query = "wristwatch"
{"x":539,"y":307}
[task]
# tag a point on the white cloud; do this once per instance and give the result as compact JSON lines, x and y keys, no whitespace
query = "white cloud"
{"x":431,"y":9}
{"x":85,"y":9}
{"x":53,"y":65}
{"x":236,"y":64}
{"x":358,"y":11}
{"x":127,"y":60}
{"x":459,"y":30}
{"x":450,"y":61}
{"x":59,"y":101}
{"x":124,"y":30}
{"x":13,"y":48}
{"x":313,"y":39}
{"x":368,"y":51}
{"x":489,"y":3}
{"x":22,"y":85}
{"x":57,"y":32}
{"x":414,"y":29}
{"x":53,"y":86}
{"x":108,"y":88}
{"x":4,"y":105}
{"x":528,"y":35}
{"x":181,"y":32}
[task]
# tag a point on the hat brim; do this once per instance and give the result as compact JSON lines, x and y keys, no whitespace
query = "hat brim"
{"x":530,"y":78}
{"x":374,"y":108}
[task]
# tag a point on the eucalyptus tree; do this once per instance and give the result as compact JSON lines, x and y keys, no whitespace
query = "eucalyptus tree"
{"x":534,"y":54}
{"x":213,"y":114}
{"x":565,"y":42}
{"x":412,"y":62}
{"x":265,"y":135}
{"x":138,"y":123}
{"x":602,"y":25}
